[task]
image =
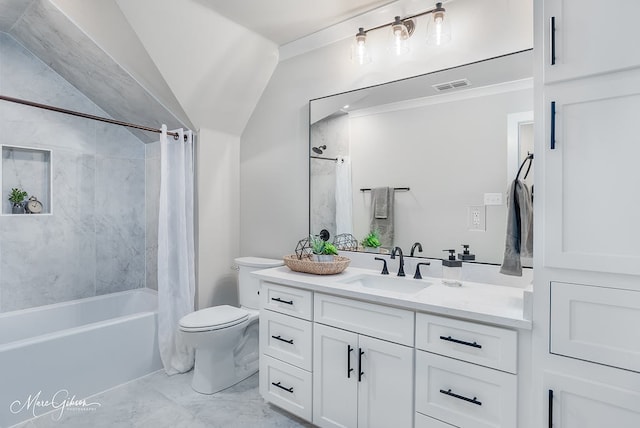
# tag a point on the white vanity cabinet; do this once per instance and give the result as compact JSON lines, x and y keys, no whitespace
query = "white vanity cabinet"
{"x":465,"y":373}
{"x":586,"y":294}
{"x":285,"y":348}
{"x":598,"y":327}
{"x":573,"y":48}
{"x":358,"y":380}
{"x":337,"y":360}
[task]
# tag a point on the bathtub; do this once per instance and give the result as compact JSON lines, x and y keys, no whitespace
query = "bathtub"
{"x":51,"y":353}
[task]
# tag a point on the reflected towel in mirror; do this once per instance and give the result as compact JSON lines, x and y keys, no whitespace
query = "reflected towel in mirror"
{"x":383,"y":225}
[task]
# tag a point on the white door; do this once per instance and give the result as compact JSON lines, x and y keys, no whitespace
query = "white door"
{"x":591,"y":181}
{"x":335,"y":377}
{"x":577,"y":403}
{"x":590,"y":37}
{"x":385,"y":394}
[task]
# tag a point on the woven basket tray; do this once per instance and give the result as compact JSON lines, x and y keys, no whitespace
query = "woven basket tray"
{"x":307,"y":265}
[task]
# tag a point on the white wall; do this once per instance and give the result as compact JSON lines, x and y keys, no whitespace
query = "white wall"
{"x":449,"y":154}
{"x":273,"y":156}
{"x":217,"y":217}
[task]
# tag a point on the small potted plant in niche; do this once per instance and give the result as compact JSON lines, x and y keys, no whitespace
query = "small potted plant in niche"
{"x":371,"y":242}
{"x":323,"y":251}
{"x":16,"y":197}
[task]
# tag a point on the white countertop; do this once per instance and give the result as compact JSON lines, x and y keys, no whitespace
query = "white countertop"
{"x":494,"y":304}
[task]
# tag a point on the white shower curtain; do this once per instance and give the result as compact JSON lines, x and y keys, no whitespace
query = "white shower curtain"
{"x":344,"y":208}
{"x":176,"y":249}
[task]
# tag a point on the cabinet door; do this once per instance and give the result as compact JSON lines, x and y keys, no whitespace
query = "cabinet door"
{"x":577,"y":403}
{"x":335,"y":377}
{"x":591,"y":181}
{"x":590,"y":37}
{"x":385,"y":393}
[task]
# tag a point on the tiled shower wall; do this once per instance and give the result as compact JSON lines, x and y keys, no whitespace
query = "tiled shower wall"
{"x":94,"y":242}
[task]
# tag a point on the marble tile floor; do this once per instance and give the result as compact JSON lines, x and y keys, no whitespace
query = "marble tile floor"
{"x":161,"y":401}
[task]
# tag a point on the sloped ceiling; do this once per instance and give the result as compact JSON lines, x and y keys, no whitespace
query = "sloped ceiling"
{"x":48,"y":33}
{"x":216,"y":68}
{"x":283,"y":21}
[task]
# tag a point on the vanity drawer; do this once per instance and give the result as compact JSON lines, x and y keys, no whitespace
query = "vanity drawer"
{"x":287,"y":300}
{"x":488,"y":346}
{"x":286,"y":386}
{"x":286,"y":338}
{"x":383,"y":322}
{"x":423,"y":421}
{"x":597,"y":324}
{"x":464,"y":394}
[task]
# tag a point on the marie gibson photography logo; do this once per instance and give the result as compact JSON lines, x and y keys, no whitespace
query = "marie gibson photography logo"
{"x":59,"y":402}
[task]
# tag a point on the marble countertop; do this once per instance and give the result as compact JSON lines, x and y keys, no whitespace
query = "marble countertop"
{"x":494,"y":304}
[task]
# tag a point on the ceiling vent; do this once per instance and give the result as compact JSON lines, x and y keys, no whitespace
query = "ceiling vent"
{"x":455,"y":84}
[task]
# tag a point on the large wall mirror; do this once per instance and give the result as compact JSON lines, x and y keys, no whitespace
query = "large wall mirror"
{"x":449,"y":143}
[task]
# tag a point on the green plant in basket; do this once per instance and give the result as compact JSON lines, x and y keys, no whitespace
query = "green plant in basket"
{"x":322,"y":247}
{"x":372,"y":240}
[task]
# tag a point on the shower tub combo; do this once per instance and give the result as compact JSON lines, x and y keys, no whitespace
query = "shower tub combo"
{"x":52,"y":353}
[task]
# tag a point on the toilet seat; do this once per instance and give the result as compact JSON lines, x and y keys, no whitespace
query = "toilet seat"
{"x":214,"y":318}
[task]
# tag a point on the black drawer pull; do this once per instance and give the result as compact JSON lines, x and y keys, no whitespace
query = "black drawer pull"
{"x":349,"y":368}
{"x":277,"y":299}
{"x":360,"y":372}
{"x":461,"y":397}
{"x":462,"y":342}
{"x":290,"y":341}
{"x":551,"y":408}
{"x":282,"y":387}
{"x":552,"y":125}
{"x":552,"y":39}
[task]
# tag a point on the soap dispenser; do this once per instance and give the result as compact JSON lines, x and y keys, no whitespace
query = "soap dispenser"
{"x":451,"y":270}
{"x":466,"y":255}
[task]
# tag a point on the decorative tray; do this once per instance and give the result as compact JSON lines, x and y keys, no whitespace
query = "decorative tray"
{"x":307,"y":265}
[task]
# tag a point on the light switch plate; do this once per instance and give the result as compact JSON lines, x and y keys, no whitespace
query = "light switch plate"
{"x":493,"y":198}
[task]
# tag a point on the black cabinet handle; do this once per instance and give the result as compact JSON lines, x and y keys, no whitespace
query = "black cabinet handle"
{"x":360,"y":372}
{"x":277,"y":299}
{"x":349,"y":368}
{"x":290,"y":341}
{"x":553,"y":125}
{"x":462,"y":342}
{"x":552,"y":39}
{"x":461,"y":397}
{"x":551,"y":408}
{"x":282,"y":387}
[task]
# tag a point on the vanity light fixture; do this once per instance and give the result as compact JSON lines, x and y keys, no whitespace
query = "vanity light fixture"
{"x":400,"y":33}
{"x":359,"y":52}
{"x":438,"y":28}
{"x":438,"y":33}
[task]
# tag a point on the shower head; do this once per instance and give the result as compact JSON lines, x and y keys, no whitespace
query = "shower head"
{"x":319,"y":149}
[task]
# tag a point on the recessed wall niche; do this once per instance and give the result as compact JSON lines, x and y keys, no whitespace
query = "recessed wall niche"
{"x":28,"y":169}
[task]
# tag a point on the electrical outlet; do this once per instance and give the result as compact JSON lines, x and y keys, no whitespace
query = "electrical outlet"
{"x":477,"y":218}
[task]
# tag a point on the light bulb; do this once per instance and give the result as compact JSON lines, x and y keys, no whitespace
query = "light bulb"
{"x":438,"y":29}
{"x":359,"y":53}
{"x":399,"y":37}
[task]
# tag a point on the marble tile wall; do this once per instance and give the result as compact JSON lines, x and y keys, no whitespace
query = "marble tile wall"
{"x":152,"y":197}
{"x":94,"y":242}
{"x":332,"y":132}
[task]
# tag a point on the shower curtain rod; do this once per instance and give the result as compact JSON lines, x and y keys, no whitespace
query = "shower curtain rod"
{"x":87,"y":116}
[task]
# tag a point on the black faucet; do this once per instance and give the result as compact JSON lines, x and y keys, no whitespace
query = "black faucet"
{"x":413,"y":248}
{"x":417,"y":274}
{"x":393,"y":256}
{"x":385,"y":271}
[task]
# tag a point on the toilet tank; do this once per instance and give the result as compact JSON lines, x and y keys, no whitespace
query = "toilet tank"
{"x":248,"y":285}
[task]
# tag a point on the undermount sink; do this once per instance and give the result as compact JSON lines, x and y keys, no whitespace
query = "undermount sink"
{"x":388,"y":283}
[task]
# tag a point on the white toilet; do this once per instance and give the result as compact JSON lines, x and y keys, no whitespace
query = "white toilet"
{"x":225,"y":337}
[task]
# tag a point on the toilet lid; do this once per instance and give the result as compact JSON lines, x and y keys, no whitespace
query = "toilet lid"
{"x":213,"y":318}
